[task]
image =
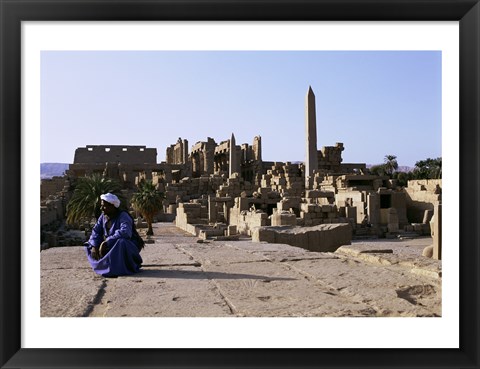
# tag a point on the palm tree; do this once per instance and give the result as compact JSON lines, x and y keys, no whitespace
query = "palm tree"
{"x":391,"y":164}
{"x":428,"y":169}
{"x":377,"y":170}
{"x":85,"y":201}
{"x":148,"y":201}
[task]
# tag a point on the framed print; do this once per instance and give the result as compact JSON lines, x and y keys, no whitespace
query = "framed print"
{"x":31,"y":32}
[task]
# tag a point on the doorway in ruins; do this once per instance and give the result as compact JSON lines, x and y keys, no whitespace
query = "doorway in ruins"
{"x":247,"y":175}
{"x":270,"y":208}
{"x":385,"y":201}
{"x":197,"y":164}
{"x":385,"y":205}
{"x":221,"y":163}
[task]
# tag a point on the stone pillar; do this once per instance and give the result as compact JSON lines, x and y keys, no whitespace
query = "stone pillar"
{"x":209,"y":154}
{"x":242,"y":203}
{"x":168,"y":155}
{"x":212,"y":210}
{"x":195,"y":164}
{"x":427,"y":216}
{"x":311,"y":161}
{"x":257,"y":148}
{"x":373,"y":210}
{"x":185,"y":152}
{"x":437,"y":231}
{"x":392,"y":220}
{"x":351,"y":213}
{"x":225,"y":212}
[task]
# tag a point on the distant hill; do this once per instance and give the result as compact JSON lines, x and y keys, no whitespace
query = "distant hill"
{"x":49,"y":170}
{"x":404,"y":169}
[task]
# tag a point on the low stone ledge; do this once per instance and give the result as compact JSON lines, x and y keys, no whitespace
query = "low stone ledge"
{"x":321,"y":238}
{"x":385,"y":255}
{"x":355,"y":250}
{"x":434,"y":274}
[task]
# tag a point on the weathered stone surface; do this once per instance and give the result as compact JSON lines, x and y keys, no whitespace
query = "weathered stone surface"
{"x":321,"y":238}
{"x":281,"y":218}
{"x":69,"y":288}
{"x":391,"y":252}
{"x":183,"y":278}
{"x":392,"y":220}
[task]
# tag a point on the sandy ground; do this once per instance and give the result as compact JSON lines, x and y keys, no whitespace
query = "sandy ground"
{"x":183,"y":278}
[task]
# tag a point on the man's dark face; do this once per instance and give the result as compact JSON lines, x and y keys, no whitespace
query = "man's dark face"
{"x":107,"y":208}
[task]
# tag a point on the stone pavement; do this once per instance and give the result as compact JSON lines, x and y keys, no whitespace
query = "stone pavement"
{"x":184,"y":278}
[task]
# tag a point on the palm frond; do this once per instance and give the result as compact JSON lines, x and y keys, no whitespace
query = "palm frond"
{"x":85,"y":201}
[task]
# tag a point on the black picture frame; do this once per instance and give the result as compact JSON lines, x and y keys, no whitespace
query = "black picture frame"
{"x":13,"y":12}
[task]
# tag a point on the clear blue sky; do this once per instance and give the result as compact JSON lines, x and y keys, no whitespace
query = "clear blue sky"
{"x":375,"y":102}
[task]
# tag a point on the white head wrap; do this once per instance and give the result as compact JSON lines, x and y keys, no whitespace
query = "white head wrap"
{"x":111,"y":198}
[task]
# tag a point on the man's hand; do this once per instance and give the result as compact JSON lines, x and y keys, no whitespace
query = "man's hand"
{"x":103,"y":249}
{"x":94,"y":253}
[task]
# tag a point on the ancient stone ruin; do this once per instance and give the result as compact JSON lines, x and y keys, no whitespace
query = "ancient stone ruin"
{"x":219,"y":190}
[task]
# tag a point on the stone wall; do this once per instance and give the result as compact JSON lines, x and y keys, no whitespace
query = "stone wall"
{"x":221,"y":159}
{"x":290,"y":203}
{"x":282,"y":218}
{"x":330,"y":158}
{"x":113,"y":153}
{"x":421,"y":195}
{"x":352,"y":200}
{"x":284,"y":178}
{"x":234,"y":187}
{"x":246,"y":220}
{"x":319,"y":207}
{"x":127,"y":174}
{"x":193,"y":218}
{"x":54,"y":196}
{"x":190,"y":214}
{"x":52,"y":211}
{"x":178,"y":152}
{"x":202,"y":157}
{"x":191,"y":188}
{"x":321,"y":238}
{"x":314,"y":214}
{"x":52,"y":186}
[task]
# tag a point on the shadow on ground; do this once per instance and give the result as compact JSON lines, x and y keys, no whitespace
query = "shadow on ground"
{"x":191,"y":274}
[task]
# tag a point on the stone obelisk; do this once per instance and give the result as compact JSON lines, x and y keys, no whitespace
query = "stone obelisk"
{"x":311,"y":161}
{"x":233,"y":167}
